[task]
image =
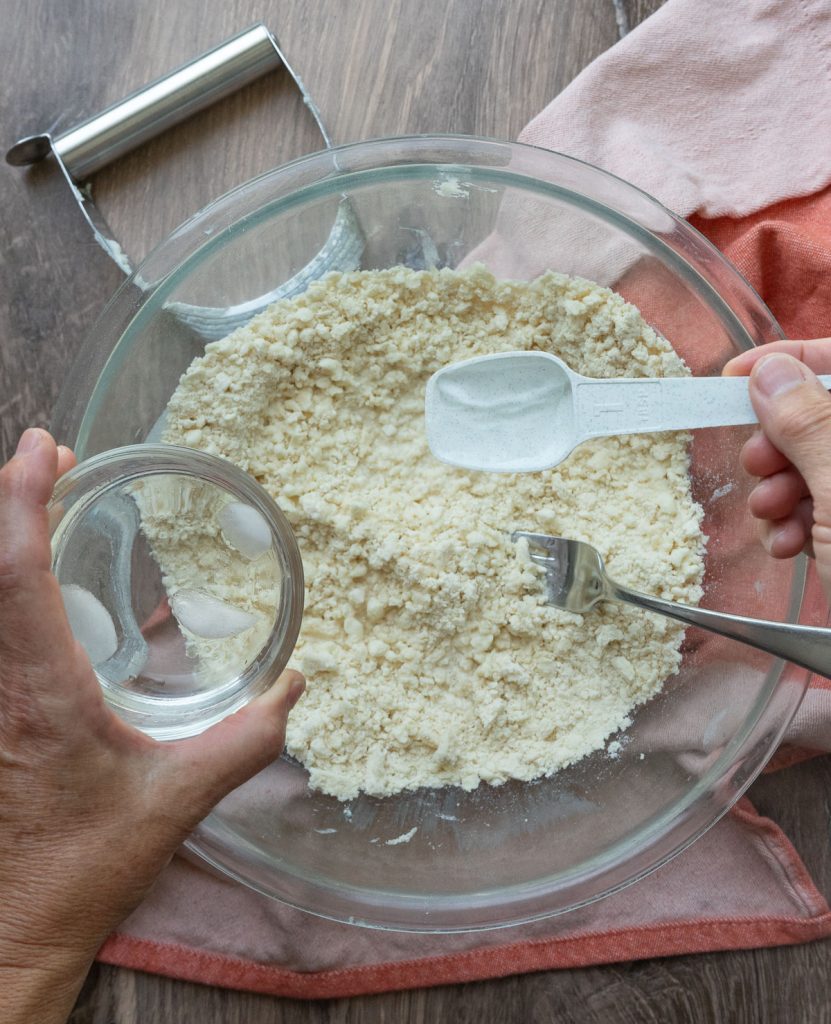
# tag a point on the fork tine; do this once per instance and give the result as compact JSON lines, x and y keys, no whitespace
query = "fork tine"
{"x":542,"y":552}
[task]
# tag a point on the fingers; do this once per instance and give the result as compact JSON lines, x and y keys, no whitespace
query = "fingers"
{"x":760,"y":458}
{"x":66,"y":459}
{"x":815,"y":354}
{"x":794,"y":412}
{"x":33,"y":627}
{"x":785,"y":538}
{"x":206,"y":768}
{"x":26,"y":483}
{"x":777,"y":496}
{"x":31,"y":472}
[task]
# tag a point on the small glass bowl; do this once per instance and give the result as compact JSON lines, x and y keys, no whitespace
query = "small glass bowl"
{"x":144,"y":540}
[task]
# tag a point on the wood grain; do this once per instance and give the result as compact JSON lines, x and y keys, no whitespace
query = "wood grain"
{"x":630,"y":13}
{"x":376,"y":67}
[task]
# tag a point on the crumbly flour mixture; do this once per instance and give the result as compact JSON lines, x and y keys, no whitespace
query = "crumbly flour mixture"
{"x":430,"y":655}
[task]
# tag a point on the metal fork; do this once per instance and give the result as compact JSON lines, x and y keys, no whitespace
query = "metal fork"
{"x":576,"y":580}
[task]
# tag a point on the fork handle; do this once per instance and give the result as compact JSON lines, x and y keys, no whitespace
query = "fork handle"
{"x":807,"y":646}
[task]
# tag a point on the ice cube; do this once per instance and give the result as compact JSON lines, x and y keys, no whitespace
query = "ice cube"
{"x":245,"y":529}
{"x":208,"y":617}
{"x":90,"y":622}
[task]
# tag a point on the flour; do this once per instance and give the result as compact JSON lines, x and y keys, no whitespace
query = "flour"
{"x":431,"y":657}
{"x":223,"y":599}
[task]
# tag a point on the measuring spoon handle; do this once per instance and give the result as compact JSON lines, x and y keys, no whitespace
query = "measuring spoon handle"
{"x":644,"y":406}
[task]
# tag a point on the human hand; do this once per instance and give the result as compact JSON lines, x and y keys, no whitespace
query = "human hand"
{"x":792,"y":452}
{"x":91,"y":810}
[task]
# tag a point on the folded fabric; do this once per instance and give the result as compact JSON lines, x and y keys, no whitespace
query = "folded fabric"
{"x":741,"y":885}
{"x":722,"y":111}
{"x":714,"y":108}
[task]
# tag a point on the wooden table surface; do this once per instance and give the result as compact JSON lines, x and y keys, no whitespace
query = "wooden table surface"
{"x":376,"y":67}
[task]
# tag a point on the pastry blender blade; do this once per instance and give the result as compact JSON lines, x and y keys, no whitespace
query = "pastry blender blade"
{"x":88,"y":147}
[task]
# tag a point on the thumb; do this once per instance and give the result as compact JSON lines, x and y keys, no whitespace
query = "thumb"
{"x":794,"y":411}
{"x":29,"y":593}
{"x":207,"y":767}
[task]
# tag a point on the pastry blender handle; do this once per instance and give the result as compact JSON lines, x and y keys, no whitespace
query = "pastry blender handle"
{"x":88,"y":147}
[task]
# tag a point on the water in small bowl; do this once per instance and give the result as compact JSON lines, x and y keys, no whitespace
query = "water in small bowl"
{"x":177,"y":585}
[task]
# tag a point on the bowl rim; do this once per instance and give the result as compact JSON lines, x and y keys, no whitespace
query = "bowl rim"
{"x":179,"y":717}
{"x":199,"y":233}
{"x":716,"y":791}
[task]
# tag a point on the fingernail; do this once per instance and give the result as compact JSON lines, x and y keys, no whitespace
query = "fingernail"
{"x":296,"y":691}
{"x":777,"y":373}
{"x":29,"y":440}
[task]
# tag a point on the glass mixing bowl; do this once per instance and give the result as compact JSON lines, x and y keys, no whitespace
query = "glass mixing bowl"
{"x":513,"y":853}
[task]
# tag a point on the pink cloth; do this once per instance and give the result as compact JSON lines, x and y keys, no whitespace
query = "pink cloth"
{"x":740,"y":885}
{"x":720,"y":109}
{"x":715,"y":107}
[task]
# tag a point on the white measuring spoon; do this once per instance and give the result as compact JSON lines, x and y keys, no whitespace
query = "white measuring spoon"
{"x":520,"y":412}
